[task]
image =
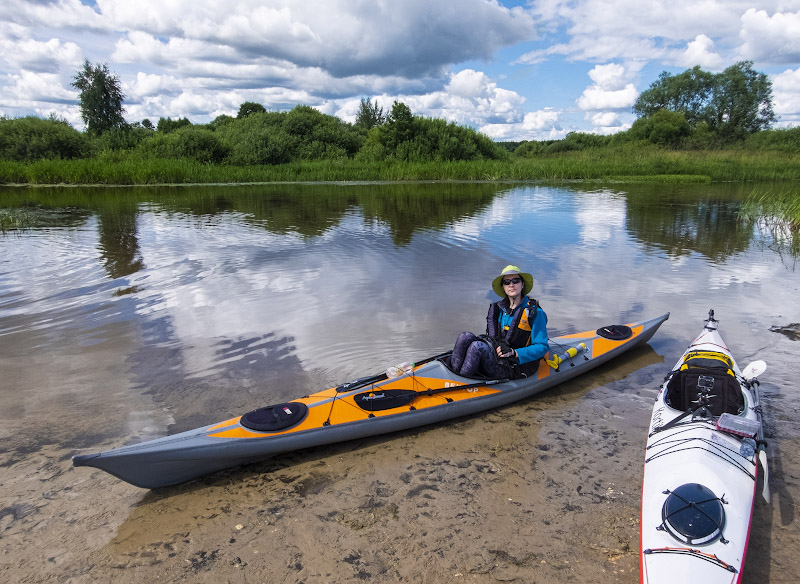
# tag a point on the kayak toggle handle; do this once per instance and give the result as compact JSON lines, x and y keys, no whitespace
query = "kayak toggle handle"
{"x":711,"y":322}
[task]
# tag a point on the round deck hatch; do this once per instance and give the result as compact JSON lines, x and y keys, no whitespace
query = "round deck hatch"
{"x":274,"y":418}
{"x":693,"y":514}
{"x":615,"y":332}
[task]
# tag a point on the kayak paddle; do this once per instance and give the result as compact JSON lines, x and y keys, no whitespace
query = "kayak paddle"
{"x":386,"y":399}
{"x":750,"y":373}
{"x":753,"y":370}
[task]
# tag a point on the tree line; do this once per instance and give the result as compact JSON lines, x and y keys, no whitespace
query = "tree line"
{"x":692,"y":110}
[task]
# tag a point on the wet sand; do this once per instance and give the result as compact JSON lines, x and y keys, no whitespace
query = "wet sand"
{"x":546,"y":491}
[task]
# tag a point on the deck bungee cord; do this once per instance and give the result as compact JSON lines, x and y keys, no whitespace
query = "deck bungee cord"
{"x":696,"y":553}
{"x":676,"y":445}
{"x":372,"y":380}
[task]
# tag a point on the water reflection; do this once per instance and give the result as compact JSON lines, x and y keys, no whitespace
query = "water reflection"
{"x":118,"y":241}
{"x":679,"y":219}
{"x":308,"y":210}
{"x":683,"y":220}
{"x":339,"y":279}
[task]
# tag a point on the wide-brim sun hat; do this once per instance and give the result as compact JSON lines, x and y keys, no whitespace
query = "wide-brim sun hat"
{"x":527,"y":280}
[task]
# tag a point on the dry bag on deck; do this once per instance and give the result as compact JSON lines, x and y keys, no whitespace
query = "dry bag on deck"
{"x":706,"y":373}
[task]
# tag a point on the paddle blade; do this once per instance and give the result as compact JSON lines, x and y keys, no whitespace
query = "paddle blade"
{"x":377,"y":400}
{"x":384,"y":399}
{"x":753,"y":370}
{"x":762,"y":458}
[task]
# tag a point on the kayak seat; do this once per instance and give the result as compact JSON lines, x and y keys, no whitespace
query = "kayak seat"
{"x":725,"y":394}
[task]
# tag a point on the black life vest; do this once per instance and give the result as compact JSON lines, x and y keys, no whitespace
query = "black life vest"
{"x":518,"y":334}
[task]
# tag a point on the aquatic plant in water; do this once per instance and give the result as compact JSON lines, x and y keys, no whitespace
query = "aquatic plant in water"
{"x":775,"y":217}
{"x":14,"y":220}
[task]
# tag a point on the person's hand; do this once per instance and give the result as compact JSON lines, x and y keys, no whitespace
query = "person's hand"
{"x":510,"y":353}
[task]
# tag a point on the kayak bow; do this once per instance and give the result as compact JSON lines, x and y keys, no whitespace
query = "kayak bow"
{"x":414,"y":395}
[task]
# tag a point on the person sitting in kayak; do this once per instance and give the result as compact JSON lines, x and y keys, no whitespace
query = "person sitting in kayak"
{"x":516,"y":333}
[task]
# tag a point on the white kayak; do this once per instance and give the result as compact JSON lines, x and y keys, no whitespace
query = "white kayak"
{"x":701,"y":467}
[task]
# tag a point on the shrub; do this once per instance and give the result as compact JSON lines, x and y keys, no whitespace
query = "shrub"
{"x":663,"y":128}
{"x":372,"y":150}
{"x":417,"y":139}
{"x":189,"y":142}
{"x":125,"y":138}
{"x":257,"y":139}
{"x":31,"y":138}
{"x":574,"y":141}
{"x":279,"y":137}
{"x":701,"y":138}
{"x":532,"y":148}
{"x":783,"y":140}
{"x":169,"y":125}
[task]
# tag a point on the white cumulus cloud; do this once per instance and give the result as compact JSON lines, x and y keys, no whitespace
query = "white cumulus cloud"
{"x":786,"y":97}
{"x":470,"y":84}
{"x":469,"y":98}
{"x":47,"y":57}
{"x":491,"y":64}
{"x":774,"y":39}
{"x":343,"y":37}
{"x":538,"y":125}
{"x":611,"y":89}
{"x":700,"y":51}
{"x":611,"y":77}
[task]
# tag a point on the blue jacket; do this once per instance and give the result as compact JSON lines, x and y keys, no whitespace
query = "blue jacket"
{"x":512,"y":327}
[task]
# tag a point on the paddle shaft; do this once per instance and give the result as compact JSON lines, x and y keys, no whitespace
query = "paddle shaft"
{"x":369,"y":380}
{"x":762,"y":446}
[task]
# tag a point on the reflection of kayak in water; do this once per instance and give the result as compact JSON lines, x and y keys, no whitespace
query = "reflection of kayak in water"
{"x":700,"y":469}
{"x":401,"y":398}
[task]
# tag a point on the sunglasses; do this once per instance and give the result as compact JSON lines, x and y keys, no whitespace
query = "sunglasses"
{"x":512,"y":281}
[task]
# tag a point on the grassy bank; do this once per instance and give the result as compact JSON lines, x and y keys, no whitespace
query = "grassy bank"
{"x":603,"y":165}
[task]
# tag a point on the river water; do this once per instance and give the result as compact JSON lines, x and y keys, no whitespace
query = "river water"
{"x":128,"y":314}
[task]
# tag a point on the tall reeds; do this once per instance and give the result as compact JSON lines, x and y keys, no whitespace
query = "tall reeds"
{"x":774,"y":212}
{"x":602,"y":164}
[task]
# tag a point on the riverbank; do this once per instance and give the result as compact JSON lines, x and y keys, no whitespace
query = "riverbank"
{"x":602,"y":165}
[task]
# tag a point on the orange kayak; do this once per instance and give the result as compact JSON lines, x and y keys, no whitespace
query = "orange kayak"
{"x":403,"y":397}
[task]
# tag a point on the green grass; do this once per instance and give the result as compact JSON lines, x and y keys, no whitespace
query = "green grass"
{"x":599,"y":165}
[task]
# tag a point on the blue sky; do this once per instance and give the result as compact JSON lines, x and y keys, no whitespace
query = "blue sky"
{"x":515,"y":70}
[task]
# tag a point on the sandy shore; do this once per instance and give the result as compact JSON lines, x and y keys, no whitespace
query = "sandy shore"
{"x":543,"y":491}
